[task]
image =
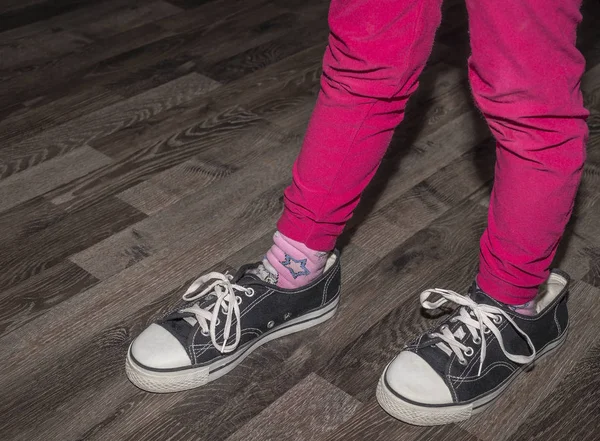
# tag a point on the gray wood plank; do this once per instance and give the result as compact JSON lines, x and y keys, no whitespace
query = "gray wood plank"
{"x":79,"y":132}
{"x":118,"y":17}
{"x":52,"y":109}
{"x":415,"y":208}
{"x":174,"y":184}
{"x":32,"y":298}
{"x":214,"y":138}
{"x":36,"y":252}
{"x":196,"y":213}
{"x":590,"y":86}
{"x":36,"y":181}
{"x":20,"y":52}
{"x":306,"y":412}
{"x":373,"y":424}
{"x":27,"y":85}
{"x":28,"y":218}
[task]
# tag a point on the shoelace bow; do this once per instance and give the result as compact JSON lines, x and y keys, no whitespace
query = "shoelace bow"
{"x":486,"y":317}
{"x":226,"y":301}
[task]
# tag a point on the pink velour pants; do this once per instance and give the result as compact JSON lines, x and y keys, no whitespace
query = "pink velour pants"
{"x":525,"y":74}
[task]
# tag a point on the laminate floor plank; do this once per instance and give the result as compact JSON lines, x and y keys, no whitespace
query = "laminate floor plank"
{"x":40,"y":43}
{"x":218,"y":135}
{"x":35,"y":181}
{"x":28,"y":218}
{"x":79,"y":132}
{"x":121,"y":17}
{"x":253,"y":93}
{"x":301,"y":35}
{"x":195,"y":213}
{"x":30,"y":11}
{"x":20,"y":53}
{"x":51,"y":110}
{"x":73,"y":67}
{"x":421,"y":204}
{"x":36,"y":295}
{"x":135,"y":71}
{"x":175,"y":183}
{"x":306,"y":412}
{"x":590,"y":86}
{"x":373,"y":424}
{"x":25,"y":258}
{"x":70,"y":391}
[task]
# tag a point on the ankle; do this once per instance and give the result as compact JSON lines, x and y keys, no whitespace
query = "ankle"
{"x":292,"y":263}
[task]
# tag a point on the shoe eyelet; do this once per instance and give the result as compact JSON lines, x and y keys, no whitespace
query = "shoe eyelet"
{"x":497,"y":322}
{"x":476,"y":340}
{"x":218,"y":322}
{"x":462,"y":362}
{"x":270,"y":324}
{"x":444,"y":327}
{"x":250,"y":292}
{"x":487,"y":331}
{"x":470,"y":351}
{"x":238,"y":300}
{"x":206,"y":334}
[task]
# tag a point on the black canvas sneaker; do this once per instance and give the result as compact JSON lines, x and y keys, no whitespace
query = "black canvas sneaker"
{"x":465,"y":363}
{"x":226,"y":318}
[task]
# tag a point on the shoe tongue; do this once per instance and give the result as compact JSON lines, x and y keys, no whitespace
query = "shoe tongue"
{"x":254,"y":273}
{"x":478,"y":296}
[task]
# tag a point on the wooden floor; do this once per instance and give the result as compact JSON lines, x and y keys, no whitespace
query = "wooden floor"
{"x":143,"y":143}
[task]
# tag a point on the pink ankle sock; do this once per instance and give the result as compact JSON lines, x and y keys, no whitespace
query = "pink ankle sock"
{"x":529,"y":308}
{"x":292,"y":263}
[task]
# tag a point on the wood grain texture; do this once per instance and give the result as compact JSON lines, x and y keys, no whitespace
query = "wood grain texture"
{"x":306,"y":412}
{"x":36,"y":295}
{"x":51,"y":110}
{"x":74,"y":66}
{"x":214,"y":136}
{"x":192,"y":214}
{"x":79,"y":132}
{"x":373,"y":424}
{"x":28,"y":218}
{"x":25,"y":258}
{"x":421,"y":204}
{"x":36,"y":181}
{"x":175,"y":183}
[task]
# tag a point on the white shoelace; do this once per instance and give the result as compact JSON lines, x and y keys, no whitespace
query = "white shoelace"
{"x":226,"y":301}
{"x":487,"y":318}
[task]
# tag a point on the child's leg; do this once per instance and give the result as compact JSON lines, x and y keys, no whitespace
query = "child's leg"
{"x":377,"y":49}
{"x":525,"y":72}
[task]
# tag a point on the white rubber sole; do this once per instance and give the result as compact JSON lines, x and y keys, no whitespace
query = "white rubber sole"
{"x":412,"y":413}
{"x":184,"y":379}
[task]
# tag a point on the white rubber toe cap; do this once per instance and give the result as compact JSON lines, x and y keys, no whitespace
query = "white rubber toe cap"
{"x":158,"y":348}
{"x":411,"y":377}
